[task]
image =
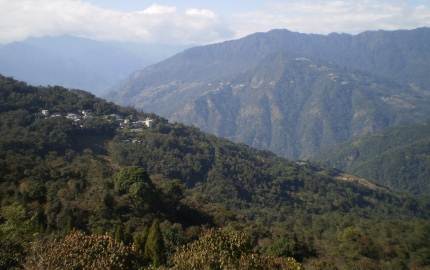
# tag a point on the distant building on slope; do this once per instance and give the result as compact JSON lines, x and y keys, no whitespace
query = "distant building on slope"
{"x":86,"y":113}
{"x":73,"y":117}
{"x":148,"y":122}
{"x":45,"y":113}
{"x":142,"y":123}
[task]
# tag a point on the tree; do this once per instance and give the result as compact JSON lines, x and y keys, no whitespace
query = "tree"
{"x":11,"y":254}
{"x":126,"y":177}
{"x":118,"y":233}
{"x":154,"y":246}
{"x":223,"y":249}
{"x":122,"y":235}
{"x":290,"y":246}
{"x":354,"y":244}
{"x":139,"y":241}
{"x":17,"y":225}
{"x":80,"y":251}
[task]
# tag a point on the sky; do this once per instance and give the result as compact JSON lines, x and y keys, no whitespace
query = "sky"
{"x":201,"y":22}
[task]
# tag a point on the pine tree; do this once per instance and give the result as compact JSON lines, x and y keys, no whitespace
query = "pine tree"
{"x":154,"y":246}
{"x":118,"y":233}
{"x":68,"y":226}
{"x":128,"y":236}
{"x":39,"y":221}
{"x":139,"y":241}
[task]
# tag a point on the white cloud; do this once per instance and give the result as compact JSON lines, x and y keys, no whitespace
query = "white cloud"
{"x":159,"y":10}
{"x":201,"y":13}
{"x":20,"y":19}
{"x":325,"y":16}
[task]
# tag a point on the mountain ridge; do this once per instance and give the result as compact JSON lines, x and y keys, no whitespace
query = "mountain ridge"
{"x":181,"y":88}
{"x":269,"y":107}
{"x":76,"y":62}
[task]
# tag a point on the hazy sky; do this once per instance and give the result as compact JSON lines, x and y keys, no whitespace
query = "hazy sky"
{"x":200,"y":22}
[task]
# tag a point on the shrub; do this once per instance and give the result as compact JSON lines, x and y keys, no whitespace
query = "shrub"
{"x":80,"y":251}
{"x":222,"y":249}
{"x":11,"y":254}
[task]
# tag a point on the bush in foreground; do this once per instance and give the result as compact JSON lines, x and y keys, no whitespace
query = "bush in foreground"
{"x":80,"y":251}
{"x":222,"y":249}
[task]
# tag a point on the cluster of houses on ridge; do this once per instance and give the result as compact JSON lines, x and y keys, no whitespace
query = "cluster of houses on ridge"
{"x":123,"y":123}
{"x":71,"y":116}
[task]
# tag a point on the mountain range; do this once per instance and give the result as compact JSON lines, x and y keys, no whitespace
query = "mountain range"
{"x":76,"y":62}
{"x":291,"y":93}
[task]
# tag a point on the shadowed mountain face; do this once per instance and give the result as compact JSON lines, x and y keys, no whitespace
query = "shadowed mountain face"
{"x":291,"y":93}
{"x":77,"y":62}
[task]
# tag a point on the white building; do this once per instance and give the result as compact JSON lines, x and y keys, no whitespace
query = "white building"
{"x":73,"y":117}
{"x":45,"y":113}
{"x":85,"y":114}
{"x":148,"y":122}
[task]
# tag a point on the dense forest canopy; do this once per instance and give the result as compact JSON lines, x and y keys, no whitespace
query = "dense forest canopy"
{"x":79,"y":174}
{"x":398,"y":157}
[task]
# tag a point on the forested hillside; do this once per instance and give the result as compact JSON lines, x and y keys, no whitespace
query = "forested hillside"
{"x":83,"y":180}
{"x":398,"y":158}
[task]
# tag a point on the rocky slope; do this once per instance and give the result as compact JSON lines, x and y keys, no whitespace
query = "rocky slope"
{"x":291,"y":93}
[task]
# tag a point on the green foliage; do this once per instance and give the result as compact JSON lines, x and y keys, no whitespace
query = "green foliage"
{"x":290,"y":246}
{"x":118,"y":234}
{"x":398,"y":158}
{"x":154,"y":247}
{"x":222,"y":249}
{"x":11,"y":254}
{"x":324,"y":265}
{"x":17,"y":224}
{"x":57,"y":176}
{"x":354,"y":245}
{"x":174,"y":236}
{"x":33,"y":191}
{"x":125,"y":178}
{"x":420,"y":244}
{"x":79,"y":251}
{"x":139,"y":241}
{"x":214,"y":250}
